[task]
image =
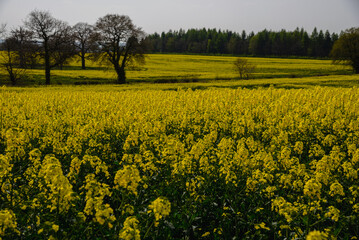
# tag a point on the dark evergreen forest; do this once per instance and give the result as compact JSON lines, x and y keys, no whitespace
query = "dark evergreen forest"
{"x":264,"y":43}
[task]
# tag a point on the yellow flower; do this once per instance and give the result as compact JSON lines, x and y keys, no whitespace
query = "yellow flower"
{"x":317,"y":235}
{"x":205,"y":234}
{"x":333,"y":213}
{"x":104,"y":213}
{"x":55,"y":227}
{"x":127,"y":209}
{"x":82,"y":216}
{"x":259,"y":209}
{"x":336,"y":189}
{"x":262,"y":225}
{"x":312,"y":188}
{"x":284,"y":208}
{"x":38,"y":221}
{"x":298,"y":147}
{"x":60,"y":193}
{"x":161,"y":208}
{"x":128,"y":178}
{"x":356,"y":208}
{"x":96,"y":192}
{"x":130,"y":229}
{"x":7,"y":221}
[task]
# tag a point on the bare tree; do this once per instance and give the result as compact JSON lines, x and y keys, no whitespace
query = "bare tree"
{"x":62,"y":47}
{"x":244,"y":68}
{"x":9,"y":59}
{"x":121,"y":42}
{"x":53,"y":35}
{"x":27,"y":50}
{"x":9,"y":56}
{"x":85,"y":41}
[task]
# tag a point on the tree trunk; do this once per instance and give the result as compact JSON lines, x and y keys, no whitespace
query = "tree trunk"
{"x":83,"y":65}
{"x":9,"y":66}
{"x":22,"y":62}
{"x":47,"y":72}
{"x":12,"y":78}
{"x":47,"y":65}
{"x":121,"y":75}
{"x":10,"y":70}
{"x":356,"y":66}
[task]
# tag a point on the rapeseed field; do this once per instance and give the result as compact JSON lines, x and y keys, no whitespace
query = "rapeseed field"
{"x":110,"y":162}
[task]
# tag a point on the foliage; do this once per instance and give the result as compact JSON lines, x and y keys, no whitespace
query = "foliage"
{"x":218,"y":163}
{"x":264,"y":43}
{"x":346,"y":49}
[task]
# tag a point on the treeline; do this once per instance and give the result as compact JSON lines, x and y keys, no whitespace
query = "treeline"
{"x":264,"y":43}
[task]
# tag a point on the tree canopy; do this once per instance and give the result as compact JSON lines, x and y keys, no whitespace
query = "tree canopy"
{"x":54,"y":36}
{"x":85,"y":40}
{"x":120,"y":42}
{"x":263,"y":43}
{"x":346,"y":49}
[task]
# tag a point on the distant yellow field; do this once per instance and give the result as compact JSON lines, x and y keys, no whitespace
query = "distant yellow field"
{"x":192,"y":67}
{"x":164,"y":68}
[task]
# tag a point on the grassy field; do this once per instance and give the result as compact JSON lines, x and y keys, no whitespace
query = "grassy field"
{"x":167,"y":68}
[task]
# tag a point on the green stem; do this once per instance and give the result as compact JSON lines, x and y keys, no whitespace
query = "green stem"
{"x":148,"y":230}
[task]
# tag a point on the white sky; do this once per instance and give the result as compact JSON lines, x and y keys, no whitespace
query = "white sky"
{"x":163,"y":15}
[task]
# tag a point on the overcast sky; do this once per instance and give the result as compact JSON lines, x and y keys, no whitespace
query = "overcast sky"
{"x":163,"y":15}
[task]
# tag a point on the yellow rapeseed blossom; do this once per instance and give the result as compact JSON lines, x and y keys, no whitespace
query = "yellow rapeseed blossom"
{"x":55,"y":227}
{"x":60,"y":192}
{"x":336,"y":189}
{"x":298,"y":147}
{"x":284,"y":208}
{"x":161,"y":208}
{"x":261,"y":226}
{"x":95,"y":162}
{"x":127,"y":209}
{"x":130,"y":230}
{"x":95,"y":206}
{"x":317,"y":235}
{"x":356,"y":208}
{"x":206,"y":234}
{"x":7,"y":222}
{"x":5,"y":167}
{"x":312,"y":188}
{"x":128,"y":178}
{"x":333,"y":213}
